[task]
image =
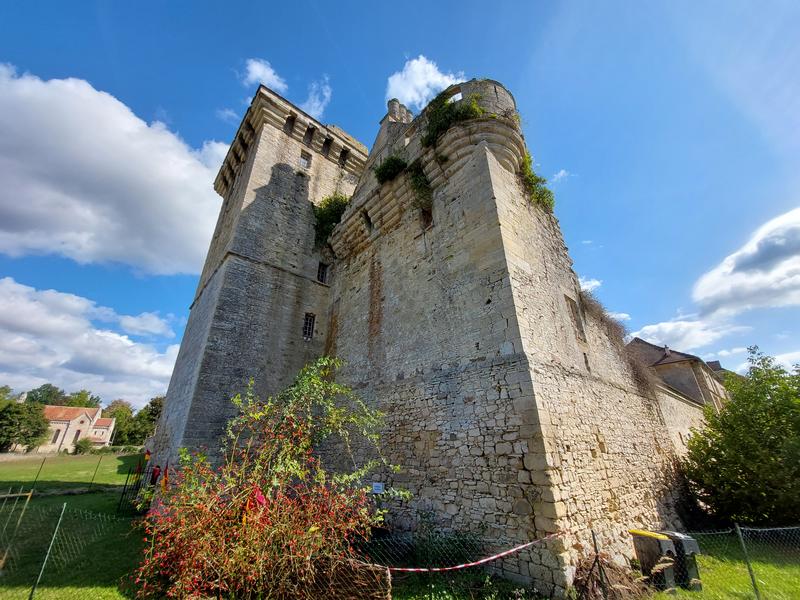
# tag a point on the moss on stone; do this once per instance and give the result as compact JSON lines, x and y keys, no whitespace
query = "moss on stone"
{"x":389,"y":168}
{"x":327,"y":214}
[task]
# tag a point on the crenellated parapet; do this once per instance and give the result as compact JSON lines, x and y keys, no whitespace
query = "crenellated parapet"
{"x":269,"y":108}
{"x":376,"y":209}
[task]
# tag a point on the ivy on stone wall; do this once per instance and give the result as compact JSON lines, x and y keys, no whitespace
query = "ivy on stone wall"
{"x":534,"y":184}
{"x":327,"y":214}
{"x":442,"y":113}
{"x":389,"y":168}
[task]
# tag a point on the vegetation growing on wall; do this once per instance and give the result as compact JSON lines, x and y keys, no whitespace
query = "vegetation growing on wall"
{"x":534,"y":184}
{"x":423,"y":193}
{"x":389,"y":169}
{"x":616,"y":333}
{"x":442,"y":113}
{"x":328,"y":213}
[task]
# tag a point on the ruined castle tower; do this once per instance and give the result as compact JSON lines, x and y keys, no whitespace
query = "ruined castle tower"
{"x":261,"y":307}
{"x":509,"y":402}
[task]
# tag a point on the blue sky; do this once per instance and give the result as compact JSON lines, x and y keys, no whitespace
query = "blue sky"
{"x":670,"y":133}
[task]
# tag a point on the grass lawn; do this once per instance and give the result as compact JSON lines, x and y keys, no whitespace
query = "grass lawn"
{"x":724,"y":574}
{"x":93,"y":552}
{"x":64,"y":472}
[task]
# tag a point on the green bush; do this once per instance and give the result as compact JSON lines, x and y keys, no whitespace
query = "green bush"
{"x":442,"y":113}
{"x":389,"y":169}
{"x":535,"y":185}
{"x":328,"y":213}
{"x":84,"y":446}
{"x":744,"y":465}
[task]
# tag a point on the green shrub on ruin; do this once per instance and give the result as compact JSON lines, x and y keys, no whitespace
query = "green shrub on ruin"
{"x":328,"y":213}
{"x":389,"y":168}
{"x":534,"y":184}
{"x":442,"y":113}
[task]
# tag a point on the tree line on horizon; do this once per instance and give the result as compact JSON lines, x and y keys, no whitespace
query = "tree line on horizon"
{"x":24,"y":423}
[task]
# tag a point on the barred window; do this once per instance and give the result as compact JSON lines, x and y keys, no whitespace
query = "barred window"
{"x":322,"y":273}
{"x":305,"y":159}
{"x":308,"y":327}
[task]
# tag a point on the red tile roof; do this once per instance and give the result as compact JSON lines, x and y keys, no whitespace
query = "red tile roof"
{"x":68,"y":413}
{"x":104,"y":422}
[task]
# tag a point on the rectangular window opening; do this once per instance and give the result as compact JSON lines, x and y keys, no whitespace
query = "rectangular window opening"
{"x":308,"y":138}
{"x":343,"y":157}
{"x":326,"y":146}
{"x":55,"y":436}
{"x":77,"y":435}
{"x":305,"y":160}
{"x":577,"y":321}
{"x":308,"y":327}
{"x":322,"y":273}
{"x":288,"y":126}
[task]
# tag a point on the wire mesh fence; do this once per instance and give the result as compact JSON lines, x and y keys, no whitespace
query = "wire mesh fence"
{"x":54,"y":551}
{"x":746,"y":562}
{"x":50,"y":550}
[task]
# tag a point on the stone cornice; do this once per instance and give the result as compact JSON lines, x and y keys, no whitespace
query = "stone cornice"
{"x":273,"y":109}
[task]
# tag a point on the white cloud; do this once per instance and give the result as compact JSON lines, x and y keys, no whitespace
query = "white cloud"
{"x":146,"y":323}
{"x":84,"y":177}
{"x":589,"y":285}
{"x":687,"y":334}
{"x":228,"y":115}
{"x":765,"y":272}
{"x":788,"y":359}
{"x":587,"y":242}
{"x":620,"y":316}
{"x":562,"y":174}
{"x":319,"y":95}
{"x":418,"y":82}
{"x":51,"y":336}
{"x":260,"y":71}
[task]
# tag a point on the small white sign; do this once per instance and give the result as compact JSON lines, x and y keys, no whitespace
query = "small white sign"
{"x":377,"y":488}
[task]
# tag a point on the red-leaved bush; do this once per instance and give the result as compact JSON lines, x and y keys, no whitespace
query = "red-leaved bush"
{"x":269,"y":522}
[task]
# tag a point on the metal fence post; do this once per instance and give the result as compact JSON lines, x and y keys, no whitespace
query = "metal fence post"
{"x":747,"y":561}
{"x":49,"y":549}
{"x":35,"y":479}
{"x":599,"y":567}
{"x":91,"y":483}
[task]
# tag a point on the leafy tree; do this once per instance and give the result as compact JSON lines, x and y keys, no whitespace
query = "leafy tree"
{"x":22,"y":424}
{"x":745,"y":464}
{"x":82,"y":398}
{"x":47,"y":394}
{"x":122,"y":411}
{"x":144,"y":423}
{"x":6,"y":393}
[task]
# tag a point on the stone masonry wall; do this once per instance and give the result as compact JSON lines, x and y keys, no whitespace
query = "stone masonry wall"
{"x":603,"y":445}
{"x":680,"y":416}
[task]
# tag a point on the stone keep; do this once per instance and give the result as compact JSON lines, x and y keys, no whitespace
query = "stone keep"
{"x":510,"y":405}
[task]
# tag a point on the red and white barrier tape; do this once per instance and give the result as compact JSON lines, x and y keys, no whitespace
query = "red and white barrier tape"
{"x":472,"y":564}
